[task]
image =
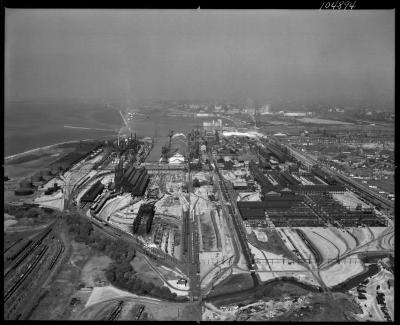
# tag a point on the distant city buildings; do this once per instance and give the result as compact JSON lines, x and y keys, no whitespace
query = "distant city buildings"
{"x":265,"y":110}
{"x":212,"y":126}
{"x":295,"y":114}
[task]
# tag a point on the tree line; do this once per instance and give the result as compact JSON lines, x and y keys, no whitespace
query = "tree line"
{"x":29,"y":211}
{"x":121,"y":272}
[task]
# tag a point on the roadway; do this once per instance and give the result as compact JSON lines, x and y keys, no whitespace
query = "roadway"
{"x":161,"y":276}
{"x":356,"y":250}
{"x":193,"y":263}
{"x":237,"y":222}
{"x":235,"y":256}
{"x":138,"y":299}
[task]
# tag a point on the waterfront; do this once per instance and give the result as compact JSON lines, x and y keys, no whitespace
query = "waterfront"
{"x":31,"y":126}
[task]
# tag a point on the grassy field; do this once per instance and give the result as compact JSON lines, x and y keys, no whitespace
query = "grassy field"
{"x":24,"y":223}
{"x":322,"y":121}
{"x":233,"y":283}
{"x":93,"y":272}
{"x":208,"y":237}
{"x":282,"y":289}
{"x":29,"y":164}
{"x":242,"y":300}
{"x":274,"y":244}
{"x":57,"y":303}
{"x":145,"y":272}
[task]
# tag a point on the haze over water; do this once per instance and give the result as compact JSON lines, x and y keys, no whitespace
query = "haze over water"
{"x":31,"y":125}
{"x":130,"y":56}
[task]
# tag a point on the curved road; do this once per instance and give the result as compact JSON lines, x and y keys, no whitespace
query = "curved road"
{"x":138,"y":299}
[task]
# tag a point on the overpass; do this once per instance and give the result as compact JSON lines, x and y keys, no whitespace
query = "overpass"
{"x":158,"y":167}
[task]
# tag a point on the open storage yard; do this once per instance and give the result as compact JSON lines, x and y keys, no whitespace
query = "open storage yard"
{"x":214,"y":264}
{"x":206,"y":212}
{"x":349,"y":199}
{"x":366,"y":294}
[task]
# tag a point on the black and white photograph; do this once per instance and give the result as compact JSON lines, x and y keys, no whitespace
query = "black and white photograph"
{"x":199,"y":164}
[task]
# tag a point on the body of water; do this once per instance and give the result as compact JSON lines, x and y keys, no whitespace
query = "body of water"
{"x":32,"y":125}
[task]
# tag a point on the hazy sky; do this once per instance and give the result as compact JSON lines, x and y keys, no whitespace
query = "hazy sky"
{"x":233,"y":55}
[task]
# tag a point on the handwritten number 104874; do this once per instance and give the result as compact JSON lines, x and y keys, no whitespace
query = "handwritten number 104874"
{"x":338,"y":5}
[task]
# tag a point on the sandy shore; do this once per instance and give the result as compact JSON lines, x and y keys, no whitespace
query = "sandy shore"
{"x":43,"y":148}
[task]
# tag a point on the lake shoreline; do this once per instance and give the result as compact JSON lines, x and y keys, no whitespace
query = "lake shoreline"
{"x":31,"y":151}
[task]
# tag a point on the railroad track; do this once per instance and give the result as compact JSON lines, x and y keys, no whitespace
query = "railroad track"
{"x":364,"y":192}
{"x":301,"y":259}
{"x":241,"y":235}
{"x":15,"y":255}
{"x":55,"y":258}
{"x":329,"y":241}
{"x":12,"y":245}
{"x":27,"y":252}
{"x":115,"y":312}
{"x":83,"y":205}
{"x":139,"y":312}
{"x":314,"y":251}
{"x":23,"y":276}
{"x":116,"y":233}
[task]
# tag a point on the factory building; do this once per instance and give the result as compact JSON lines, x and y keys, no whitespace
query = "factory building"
{"x":132,"y":180}
{"x":240,"y":185}
{"x":93,"y":192}
{"x":335,"y":212}
{"x":324,"y":176}
{"x":319,"y":188}
{"x":305,"y":161}
{"x":281,"y":210}
{"x":278,"y":151}
{"x":144,"y":219}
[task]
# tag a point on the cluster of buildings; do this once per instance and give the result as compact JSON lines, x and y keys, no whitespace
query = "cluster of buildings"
{"x":132,"y":179}
{"x":365,"y":156}
{"x":213,"y":125}
{"x":293,"y":190}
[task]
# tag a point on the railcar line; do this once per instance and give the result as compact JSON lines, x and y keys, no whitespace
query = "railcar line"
{"x":115,"y":312}
{"x":55,"y":258}
{"x":27,"y":252}
{"x":22,"y":277}
{"x":12,"y":245}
